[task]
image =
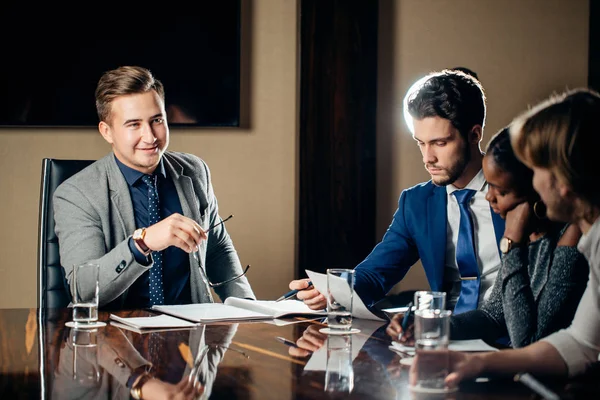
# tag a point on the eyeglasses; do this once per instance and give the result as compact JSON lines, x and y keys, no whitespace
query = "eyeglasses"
{"x":213,"y":285}
{"x":205,"y":277}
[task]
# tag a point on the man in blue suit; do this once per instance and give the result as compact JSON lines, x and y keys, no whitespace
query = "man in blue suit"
{"x":446,"y":222}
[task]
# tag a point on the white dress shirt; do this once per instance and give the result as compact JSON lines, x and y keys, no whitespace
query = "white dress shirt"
{"x":486,"y":245}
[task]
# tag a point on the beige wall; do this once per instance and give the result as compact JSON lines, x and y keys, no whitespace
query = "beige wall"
{"x":522,"y":50}
{"x":254,"y":169}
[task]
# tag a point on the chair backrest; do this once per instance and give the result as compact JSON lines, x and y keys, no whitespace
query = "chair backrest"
{"x":53,"y":291}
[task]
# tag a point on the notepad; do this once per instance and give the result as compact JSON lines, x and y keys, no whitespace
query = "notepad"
{"x":454,"y":345}
{"x":237,"y":309}
{"x":151,"y":324}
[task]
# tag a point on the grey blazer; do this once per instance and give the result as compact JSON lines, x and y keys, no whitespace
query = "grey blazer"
{"x":94,"y":219}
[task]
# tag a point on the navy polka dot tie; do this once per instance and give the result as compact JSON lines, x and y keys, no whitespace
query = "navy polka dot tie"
{"x":156,"y":272}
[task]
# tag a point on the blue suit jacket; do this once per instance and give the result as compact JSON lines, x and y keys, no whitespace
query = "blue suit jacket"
{"x":418,"y":231}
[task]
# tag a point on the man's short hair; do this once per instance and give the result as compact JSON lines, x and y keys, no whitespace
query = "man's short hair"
{"x":448,"y":94}
{"x":561,"y":134}
{"x":124,"y":81}
{"x":466,"y":71}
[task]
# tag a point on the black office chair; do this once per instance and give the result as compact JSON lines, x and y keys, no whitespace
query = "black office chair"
{"x":53,"y":291}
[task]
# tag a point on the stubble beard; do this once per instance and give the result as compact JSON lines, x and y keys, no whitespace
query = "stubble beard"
{"x":456,"y":170}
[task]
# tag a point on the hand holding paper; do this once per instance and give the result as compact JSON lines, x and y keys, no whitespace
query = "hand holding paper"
{"x":342,"y":294}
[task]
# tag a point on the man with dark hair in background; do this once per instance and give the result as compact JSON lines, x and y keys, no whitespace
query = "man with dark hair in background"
{"x":446,"y":222}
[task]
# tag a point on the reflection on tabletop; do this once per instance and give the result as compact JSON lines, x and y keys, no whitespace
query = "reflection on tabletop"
{"x":98,"y":363}
{"x":41,"y":358}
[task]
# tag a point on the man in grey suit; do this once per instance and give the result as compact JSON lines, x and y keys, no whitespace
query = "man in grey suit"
{"x":143,"y":213}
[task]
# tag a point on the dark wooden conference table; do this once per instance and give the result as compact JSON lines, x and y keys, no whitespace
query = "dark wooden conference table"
{"x":40,"y":357}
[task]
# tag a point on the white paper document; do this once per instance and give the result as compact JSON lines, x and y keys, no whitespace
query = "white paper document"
{"x":210,"y":312}
{"x":470,"y":345}
{"x":275,"y":309}
{"x":236,"y":309}
{"x":454,"y":345}
{"x":341,"y":292}
{"x":398,"y":310}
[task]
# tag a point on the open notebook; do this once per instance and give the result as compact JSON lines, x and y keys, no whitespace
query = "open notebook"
{"x":236,"y":309}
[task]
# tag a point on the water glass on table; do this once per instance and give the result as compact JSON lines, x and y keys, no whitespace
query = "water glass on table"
{"x":340,"y":292}
{"x":426,"y":300}
{"x":432,"y":334}
{"x":86,"y":296}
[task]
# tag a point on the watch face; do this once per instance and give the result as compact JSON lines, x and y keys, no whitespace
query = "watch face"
{"x":504,"y":245}
{"x":137,"y":234}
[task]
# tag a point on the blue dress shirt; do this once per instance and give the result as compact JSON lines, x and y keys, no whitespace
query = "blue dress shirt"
{"x":176,"y":264}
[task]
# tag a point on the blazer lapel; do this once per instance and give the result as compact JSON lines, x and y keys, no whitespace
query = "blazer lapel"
{"x":120,"y":198}
{"x":498,"y":228}
{"x":437,"y":215}
{"x":190,"y":205}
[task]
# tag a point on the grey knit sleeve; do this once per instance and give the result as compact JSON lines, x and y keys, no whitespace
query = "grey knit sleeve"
{"x":563,"y":272}
{"x":558,"y":300}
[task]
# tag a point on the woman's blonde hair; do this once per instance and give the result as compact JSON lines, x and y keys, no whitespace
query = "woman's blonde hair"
{"x":561,"y":134}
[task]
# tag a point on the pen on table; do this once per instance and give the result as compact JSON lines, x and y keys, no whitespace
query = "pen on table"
{"x":536,"y":386}
{"x":405,"y":320}
{"x":292,"y":293}
{"x":286,"y":342}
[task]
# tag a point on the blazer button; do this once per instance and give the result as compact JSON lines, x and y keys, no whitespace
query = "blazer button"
{"x":119,"y":363}
{"x":120,"y":267}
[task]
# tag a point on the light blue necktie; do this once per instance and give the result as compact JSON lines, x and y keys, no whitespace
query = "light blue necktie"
{"x":156,"y":272}
{"x":465,"y":255}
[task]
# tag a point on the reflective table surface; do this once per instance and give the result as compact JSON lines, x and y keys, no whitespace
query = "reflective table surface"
{"x":40,"y":357}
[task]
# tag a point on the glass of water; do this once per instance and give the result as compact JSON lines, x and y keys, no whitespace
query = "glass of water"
{"x":340,"y":291}
{"x":85,"y":295}
{"x":339,"y":374}
{"x":432,"y":333}
{"x":425,"y":300}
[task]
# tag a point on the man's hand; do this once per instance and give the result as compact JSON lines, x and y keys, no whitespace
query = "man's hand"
{"x":311,"y":341}
{"x":311,"y":297}
{"x":175,"y":230}
{"x":394,"y":329}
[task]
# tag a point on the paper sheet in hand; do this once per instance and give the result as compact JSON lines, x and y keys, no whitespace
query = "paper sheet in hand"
{"x":318,"y":360}
{"x":341,"y":291}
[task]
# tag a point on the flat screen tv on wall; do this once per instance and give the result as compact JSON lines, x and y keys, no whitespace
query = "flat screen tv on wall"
{"x":52,"y":59}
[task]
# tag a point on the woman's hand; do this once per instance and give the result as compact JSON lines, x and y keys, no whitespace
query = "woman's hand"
{"x":462,"y":366}
{"x":518,"y":222}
